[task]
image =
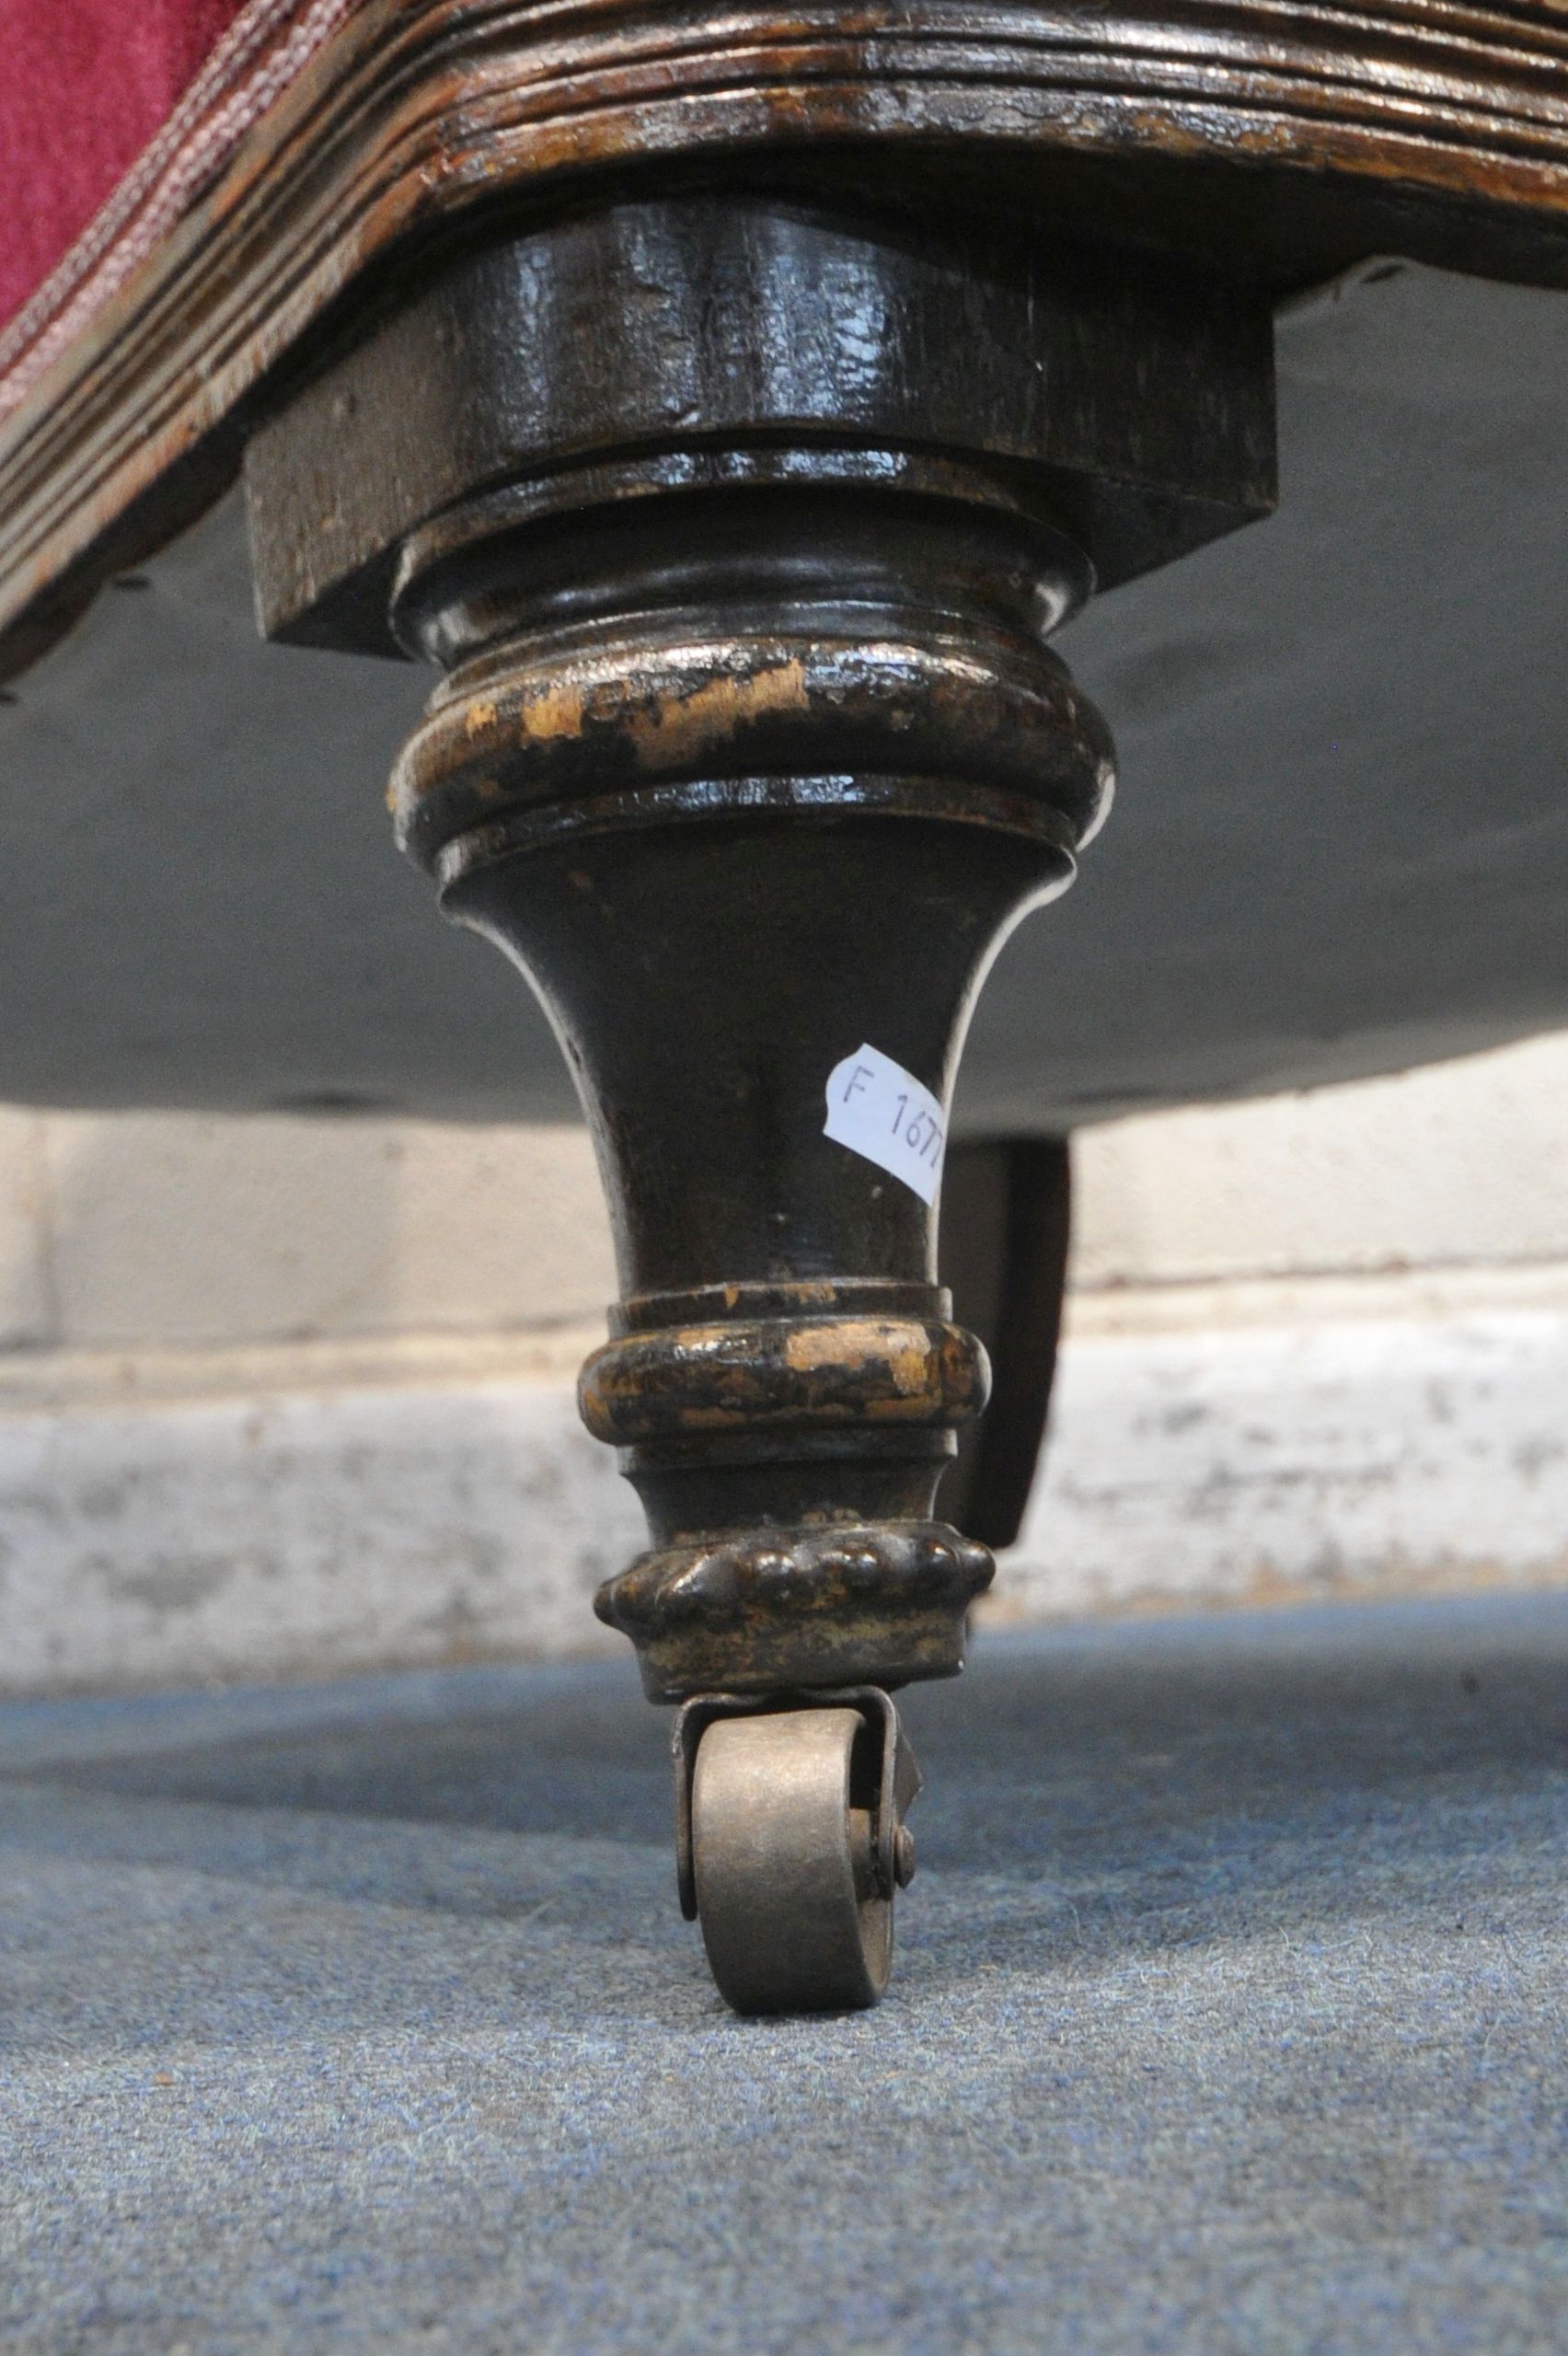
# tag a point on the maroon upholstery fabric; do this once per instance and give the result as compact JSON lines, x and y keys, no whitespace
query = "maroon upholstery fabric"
{"x":87,"y":84}
{"x":114,"y":116}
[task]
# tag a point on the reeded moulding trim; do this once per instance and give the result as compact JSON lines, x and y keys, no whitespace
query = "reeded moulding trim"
{"x":415,"y":111}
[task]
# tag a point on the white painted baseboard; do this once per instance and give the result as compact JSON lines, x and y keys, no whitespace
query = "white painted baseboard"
{"x":300,"y":1512}
{"x":1331,"y":1438}
{"x":170,"y":1518}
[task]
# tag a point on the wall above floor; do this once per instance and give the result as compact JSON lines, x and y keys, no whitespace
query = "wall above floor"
{"x":132,"y":1230}
{"x":289,"y":1396}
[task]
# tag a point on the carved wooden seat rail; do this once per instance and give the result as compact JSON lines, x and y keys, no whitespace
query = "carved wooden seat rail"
{"x":1284,"y":141}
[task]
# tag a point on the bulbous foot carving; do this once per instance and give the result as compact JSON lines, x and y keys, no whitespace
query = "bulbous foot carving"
{"x":776,"y":1609}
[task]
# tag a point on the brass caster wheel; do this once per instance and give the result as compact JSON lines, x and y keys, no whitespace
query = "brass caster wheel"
{"x":796,"y":1843}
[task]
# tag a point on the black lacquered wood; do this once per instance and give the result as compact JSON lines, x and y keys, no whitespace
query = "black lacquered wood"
{"x":738,"y":530}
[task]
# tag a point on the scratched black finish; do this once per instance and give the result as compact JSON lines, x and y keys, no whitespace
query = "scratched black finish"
{"x":705,"y":977}
{"x":739,"y":532}
{"x":685,"y":646}
{"x":1134,"y":389}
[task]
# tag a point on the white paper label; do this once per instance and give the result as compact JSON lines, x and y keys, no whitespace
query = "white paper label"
{"x":878,"y":1109}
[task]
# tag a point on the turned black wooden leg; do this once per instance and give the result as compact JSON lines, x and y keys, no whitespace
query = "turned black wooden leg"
{"x":764,"y":822}
{"x":784,"y":1379}
{"x":739,"y":531}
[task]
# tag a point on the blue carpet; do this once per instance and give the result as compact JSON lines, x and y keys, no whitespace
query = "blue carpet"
{"x":1229,"y":2015}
